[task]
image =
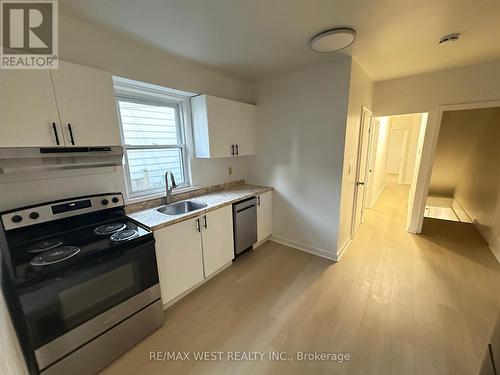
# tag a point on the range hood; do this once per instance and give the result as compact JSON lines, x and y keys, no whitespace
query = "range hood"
{"x":36,"y":159}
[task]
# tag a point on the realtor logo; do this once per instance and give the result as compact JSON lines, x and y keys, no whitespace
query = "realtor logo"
{"x":28,"y":34}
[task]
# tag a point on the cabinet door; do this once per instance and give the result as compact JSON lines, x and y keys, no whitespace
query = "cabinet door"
{"x":264,"y":215}
{"x":246,"y":129}
{"x":223,"y":118}
{"x":215,"y":124}
{"x":28,"y":109}
{"x":218,"y":244}
{"x":86,"y":103}
{"x":179,"y":257}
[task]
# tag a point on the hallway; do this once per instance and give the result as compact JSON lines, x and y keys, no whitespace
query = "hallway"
{"x":397,"y":303}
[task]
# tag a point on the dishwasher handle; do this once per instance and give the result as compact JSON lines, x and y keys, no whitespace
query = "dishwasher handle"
{"x":245,"y":208}
{"x":240,"y":206}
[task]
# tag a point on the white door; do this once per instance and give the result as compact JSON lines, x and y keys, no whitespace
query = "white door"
{"x":247,"y":129}
{"x":363,"y":153}
{"x":179,"y":257}
{"x":264,"y":216}
{"x":217,"y":235}
{"x":28,"y":111}
{"x":396,"y":153}
{"x":87,"y":107}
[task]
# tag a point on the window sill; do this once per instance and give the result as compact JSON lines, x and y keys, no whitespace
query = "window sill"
{"x":144,"y":198}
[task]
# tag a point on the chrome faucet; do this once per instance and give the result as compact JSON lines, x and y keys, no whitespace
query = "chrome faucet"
{"x":173,"y":185}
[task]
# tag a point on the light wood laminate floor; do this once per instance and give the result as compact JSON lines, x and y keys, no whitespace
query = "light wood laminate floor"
{"x":398,"y":303}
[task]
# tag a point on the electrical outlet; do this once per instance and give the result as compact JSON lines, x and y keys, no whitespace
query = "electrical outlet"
{"x":229,"y":170}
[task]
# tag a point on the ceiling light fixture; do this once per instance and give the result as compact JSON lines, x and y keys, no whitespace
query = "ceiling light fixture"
{"x":333,"y":40}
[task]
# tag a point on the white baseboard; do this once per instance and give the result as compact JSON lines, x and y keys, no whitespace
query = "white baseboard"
{"x":181,"y":296}
{"x":260,"y":243}
{"x":303,"y":247}
{"x":343,"y":248}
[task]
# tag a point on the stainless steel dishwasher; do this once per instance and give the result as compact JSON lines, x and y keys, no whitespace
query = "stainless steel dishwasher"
{"x":245,"y":225}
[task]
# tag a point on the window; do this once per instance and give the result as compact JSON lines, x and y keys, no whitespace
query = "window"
{"x":153,"y":137}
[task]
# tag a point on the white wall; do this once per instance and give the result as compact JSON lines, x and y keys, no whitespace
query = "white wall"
{"x":360,"y":95}
{"x":88,"y":44}
{"x":17,"y":190}
{"x":478,"y":188}
{"x":425,"y":93}
{"x":458,"y":136}
{"x":301,"y":120}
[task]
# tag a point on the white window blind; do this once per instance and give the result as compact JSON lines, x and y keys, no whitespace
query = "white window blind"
{"x":154,"y":143}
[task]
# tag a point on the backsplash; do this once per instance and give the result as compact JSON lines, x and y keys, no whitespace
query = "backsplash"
{"x":179,"y":196}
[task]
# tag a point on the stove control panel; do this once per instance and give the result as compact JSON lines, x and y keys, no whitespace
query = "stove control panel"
{"x":60,"y":209}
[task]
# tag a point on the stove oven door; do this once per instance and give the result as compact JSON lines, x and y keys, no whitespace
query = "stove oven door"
{"x":69,"y":309}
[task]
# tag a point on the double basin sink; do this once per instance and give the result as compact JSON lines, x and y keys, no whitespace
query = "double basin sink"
{"x":179,"y":208}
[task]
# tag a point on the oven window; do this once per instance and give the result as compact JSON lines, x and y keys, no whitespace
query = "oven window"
{"x":113,"y":285}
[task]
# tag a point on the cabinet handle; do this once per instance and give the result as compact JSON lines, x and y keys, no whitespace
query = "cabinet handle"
{"x":258,"y":200}
{"x":198,"y":228}
{"x":71,"y":135}
{"x":205,"y":221}
{"x":237,"y":150}
{"x":232,"y":150}
{"x":54,"y":128}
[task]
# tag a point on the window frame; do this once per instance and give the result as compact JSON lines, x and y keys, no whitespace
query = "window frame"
{"x":136,"y":92}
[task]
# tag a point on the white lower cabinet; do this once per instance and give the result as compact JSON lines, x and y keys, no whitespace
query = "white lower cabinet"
{"x":217,"y":235}
{"x":191,"y":250}
{"x":179,"y":257}
{"x":264,"y":215}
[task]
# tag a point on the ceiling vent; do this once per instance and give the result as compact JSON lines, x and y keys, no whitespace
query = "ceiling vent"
{"x":449,"y":38}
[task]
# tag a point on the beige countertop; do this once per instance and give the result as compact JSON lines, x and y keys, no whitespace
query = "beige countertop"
{"x":155,"y":220}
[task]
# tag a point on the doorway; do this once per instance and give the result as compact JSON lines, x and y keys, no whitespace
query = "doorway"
{"x":422,"y":178}
{"x":388,"y":154}
{"x":464,"y":184}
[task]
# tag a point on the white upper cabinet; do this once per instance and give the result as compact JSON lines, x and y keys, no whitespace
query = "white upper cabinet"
{"x":28,"y":111}
{"x":86,"y":103}
{"x":70,"y":106}
{"x":217,"y":235}
{"x":222,"y":127}
{"x":264,"y":216}
{"x":247,"y":127}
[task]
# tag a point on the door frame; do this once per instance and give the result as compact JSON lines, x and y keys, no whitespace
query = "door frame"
{"x":422,"y":177}
{"x":359,"y":155}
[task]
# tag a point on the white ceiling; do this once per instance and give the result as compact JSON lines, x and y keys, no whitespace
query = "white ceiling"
{"x":253,"y":39}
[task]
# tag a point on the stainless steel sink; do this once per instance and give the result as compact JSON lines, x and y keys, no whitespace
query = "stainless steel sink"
{"x":180,"y":207}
